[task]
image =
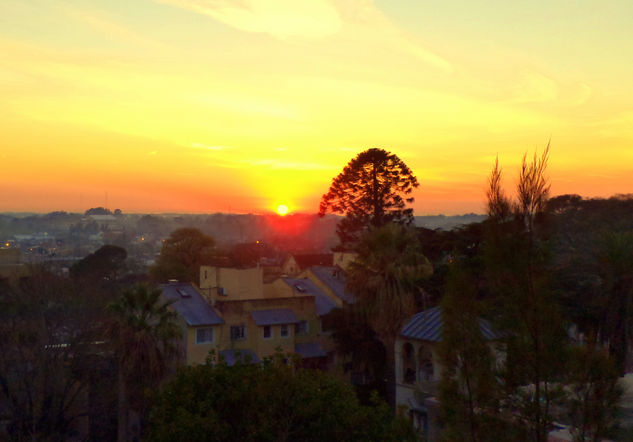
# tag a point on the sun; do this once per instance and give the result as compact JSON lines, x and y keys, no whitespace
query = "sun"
{"x":282,"y":209}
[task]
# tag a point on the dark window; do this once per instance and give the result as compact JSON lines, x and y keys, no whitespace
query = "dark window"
{"x":301,"y":328}
{"x":204,"y":335}
{"x":238,"y":332}
{"x":285,"y":331}
{"x":268,"y":332}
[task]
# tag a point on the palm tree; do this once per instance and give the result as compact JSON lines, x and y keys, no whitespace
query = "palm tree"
{"x":143,"y":331}
{"x":385,"y":278}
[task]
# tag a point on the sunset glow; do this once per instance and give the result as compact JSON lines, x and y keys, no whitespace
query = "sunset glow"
{"x":205,"y":106}
{"x":282,"y":209}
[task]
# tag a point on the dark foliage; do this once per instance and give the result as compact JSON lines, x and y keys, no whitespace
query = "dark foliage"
{"x":182,"y":254}
{"x":107,"y":263}
{"x":50,"y":353}
{"x":98,"y":211}
{"x":269,"y":402}
{"x":365,"y":354}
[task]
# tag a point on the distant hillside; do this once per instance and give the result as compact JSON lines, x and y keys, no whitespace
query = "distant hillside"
{"x":447,"y":222}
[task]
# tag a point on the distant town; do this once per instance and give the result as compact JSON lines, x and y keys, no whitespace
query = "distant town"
{"x":61,"y":238}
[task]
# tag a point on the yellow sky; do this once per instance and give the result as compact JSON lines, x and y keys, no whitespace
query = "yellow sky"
{"x":241,"y":105}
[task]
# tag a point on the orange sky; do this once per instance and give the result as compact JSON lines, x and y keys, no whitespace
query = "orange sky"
{"x":222,"y":105}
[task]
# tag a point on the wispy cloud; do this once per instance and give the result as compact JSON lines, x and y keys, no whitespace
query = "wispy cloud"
{"x":281,"y":18}
{"x":581,"y":94}
{"x":240,"y":103}
{"x":534,"y":87}
{"x":207,"y":147}
{"x":272,"y":163}
{"x":104,"y":23}
{"x":351,"y":20}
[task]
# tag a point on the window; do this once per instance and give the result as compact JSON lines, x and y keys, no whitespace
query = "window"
{"x":408,"y":364}
{"x":204,"y":335}
{"x":284,"y":331}
{"x":238,"y":332}
{"x":301,"y":328}
{"x":268,"y":332}
{"x":425,"y":364}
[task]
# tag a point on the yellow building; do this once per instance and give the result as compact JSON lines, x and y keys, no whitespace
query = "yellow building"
{"x":331,"y":281}
{"x":202,"y":325}
{"x":226,"y":283}
{"x":236,"y":314}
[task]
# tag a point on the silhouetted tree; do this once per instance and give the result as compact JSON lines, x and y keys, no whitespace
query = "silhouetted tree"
{"x":467,"y":391}
{"x":182,"y":254}
{"x":372,"y":190}
{"x":384,"y":278}
{"x":615,"y":269}
{"x":593,"y":393}
{"x":518,"y":269}
{"x":107,"y":263}
{"x":98,"y":211}
{"x":365,"y":354}
{"x":47,"y":353}
{"x":142,"y":332}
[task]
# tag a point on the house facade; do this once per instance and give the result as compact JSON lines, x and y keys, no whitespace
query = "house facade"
{"x":418,"y":367}
{"x":237,"y":315}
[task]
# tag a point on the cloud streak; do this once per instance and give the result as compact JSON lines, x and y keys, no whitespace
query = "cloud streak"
{"x":281,"y":18}
{"x":347,"y":20}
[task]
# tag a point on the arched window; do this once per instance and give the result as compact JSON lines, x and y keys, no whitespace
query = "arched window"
{"x":408,"y":364}
{"x":425,"y":364}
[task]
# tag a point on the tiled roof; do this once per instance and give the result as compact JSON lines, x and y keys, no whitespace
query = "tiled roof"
{"x":334,"y":278}
{"x":322,"y":303}
{"x":190,"y":304}
{"x":310,"y":350}
{"x":274,"y":317}
{"x":428,"y":326}
{"x":231,"y":356}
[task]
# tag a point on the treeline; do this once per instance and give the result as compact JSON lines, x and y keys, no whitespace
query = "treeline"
{"x":554,"y":278}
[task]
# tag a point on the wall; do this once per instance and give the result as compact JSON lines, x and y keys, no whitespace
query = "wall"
{"x":197,"y":353}
{"x":343,"y":259}
{"x":237,"y":283}
{"x":238,"y":312}
{"x":321,"y":285}
{"x":404,"y":392}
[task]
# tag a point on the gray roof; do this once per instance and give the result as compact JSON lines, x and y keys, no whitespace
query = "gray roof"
{"x":274,"y":317}
{"x":428,"y":326}
{"x":190,"y":304}
{"x":334,"y":278}
{"x":310,"y":350}
{"x":323,"y":304}
{"x":246,"y":355}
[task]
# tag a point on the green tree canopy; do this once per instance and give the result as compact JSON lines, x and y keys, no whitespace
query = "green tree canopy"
{"x":269,"y":402}
{"x":372,"y":190}
{"x":182,"y":254}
